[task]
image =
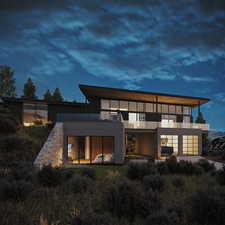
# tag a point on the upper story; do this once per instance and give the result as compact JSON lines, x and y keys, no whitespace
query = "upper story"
{"x":136,"y":109}
{"x":145,"y":110}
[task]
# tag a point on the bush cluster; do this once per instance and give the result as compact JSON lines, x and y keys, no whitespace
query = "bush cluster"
{"x":49,"y":176}
{"x":178,"y":181}
{"x":14,"y":190}
{"x":78,"y":184}
{"x":155,"y":182}
{"x":208,"y":206}
{"x":220,"y":176}
{"x":172,"y":166}
{"x":125,"y":199}
{"x":206,"y":165}
{"x":139,"y":170}
{"x":88,"y":172}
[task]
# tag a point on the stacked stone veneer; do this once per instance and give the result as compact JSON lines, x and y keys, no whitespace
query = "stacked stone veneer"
{"x":51,"y":152}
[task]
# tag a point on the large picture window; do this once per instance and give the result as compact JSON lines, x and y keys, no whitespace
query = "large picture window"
{"x":190,"y":145}
{"x":90,"y":149}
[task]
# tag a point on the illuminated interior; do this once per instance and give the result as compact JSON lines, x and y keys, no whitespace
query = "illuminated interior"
{"x":170,"y":141}
{"x":190,"y":145}
{"x":90,"y":149}
{"x":35,"y":114}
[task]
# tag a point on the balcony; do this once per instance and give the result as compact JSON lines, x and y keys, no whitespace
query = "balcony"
{"x":154,"y":125}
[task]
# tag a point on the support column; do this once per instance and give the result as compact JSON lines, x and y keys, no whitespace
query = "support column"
{"x":87,"y":147}
{"x":180,"y":145}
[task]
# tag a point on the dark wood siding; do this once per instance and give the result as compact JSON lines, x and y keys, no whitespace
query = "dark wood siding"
{"x":53,"y":109}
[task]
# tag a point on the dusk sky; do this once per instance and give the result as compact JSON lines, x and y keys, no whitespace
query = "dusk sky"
{"x":168,"y":46}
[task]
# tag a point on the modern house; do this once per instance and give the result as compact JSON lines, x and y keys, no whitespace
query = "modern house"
{"x":114,"y":124}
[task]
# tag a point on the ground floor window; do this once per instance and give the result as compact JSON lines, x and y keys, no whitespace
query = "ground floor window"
{"x":90,"y":149}
{"x":169,"y":143}
{"x":190,"y":145}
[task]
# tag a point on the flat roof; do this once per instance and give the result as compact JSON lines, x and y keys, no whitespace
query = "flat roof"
{"x":93,"y":92}
{"x":40,"y":101}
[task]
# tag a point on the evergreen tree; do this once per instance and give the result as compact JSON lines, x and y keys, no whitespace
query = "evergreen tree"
{"x":29,"y":90}
{"x":200,"y":118}
{"x":48,"y":96}
{"x":7,"y":82}
{"x":57,"y":97}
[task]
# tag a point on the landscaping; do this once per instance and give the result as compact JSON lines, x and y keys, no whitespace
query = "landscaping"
{"x":161,"y":193}
{"x":169,"y":192}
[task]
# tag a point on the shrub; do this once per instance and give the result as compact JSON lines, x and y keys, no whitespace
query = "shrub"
{"x":11,"y":143}
{"x":139,"y":170}
{"x":14,"y":190}
{"x":162,"y":217}
{"x":124,"y":199}
{"x":162,"y":168}
{"x":8,"y":126}
{"x":78,"y":184}
{"x":188,"y":168}
{"x":23,"y":171}
{"x":16,"y":148}
{"x":206,"y":165}
{"x":91,"y":218}
{"x":49,"y":176}
{"x":178,"y":181}
{"x":154,"y":182}
{"x":208,"y":206}
{"x":150,"y":203}
{"x":88,"y":172}
{"x":172,"y":164}
{"x":220,"y":176}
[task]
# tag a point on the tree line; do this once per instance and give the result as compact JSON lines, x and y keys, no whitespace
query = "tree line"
{"x":8,"y":87}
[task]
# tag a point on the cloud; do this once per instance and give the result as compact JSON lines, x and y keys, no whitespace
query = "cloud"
{"x":124,"y":40}
{"x":197,"y":78}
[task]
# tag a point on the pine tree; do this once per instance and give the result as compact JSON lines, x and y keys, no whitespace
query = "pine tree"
{"x":7,"y":82}
{"x":200,"y":118}
{"x":48,"y":96}
{"x":29,"y":90}
{"x":57,"y":97}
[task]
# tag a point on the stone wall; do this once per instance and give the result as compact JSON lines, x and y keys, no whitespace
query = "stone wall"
{"x":51,"y":152}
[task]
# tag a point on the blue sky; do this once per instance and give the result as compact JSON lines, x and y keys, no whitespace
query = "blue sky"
{"x":150,"y":45}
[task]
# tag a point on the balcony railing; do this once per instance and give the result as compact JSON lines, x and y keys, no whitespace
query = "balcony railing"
{"x":154,"y":125}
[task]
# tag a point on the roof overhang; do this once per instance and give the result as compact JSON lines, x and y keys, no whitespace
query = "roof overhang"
{"x":95,"y":92}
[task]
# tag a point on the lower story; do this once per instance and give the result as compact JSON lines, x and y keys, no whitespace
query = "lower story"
{"x":108,"y":142}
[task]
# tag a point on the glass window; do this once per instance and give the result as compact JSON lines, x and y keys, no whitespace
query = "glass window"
{"x":114,"y":105}
{"x":140,"y":116}
{"x":104,"y":104}
{"x":186,"y":110}
{"x":186,"y":119}
{"x":172,"y":109}
{"x":140,"y":107}
{"x":123,"y":105}
{"x":159,"y":108}
{"x":190,"y":145}
{"x":35,"y":114}
{"x":132,"y":106}
{"x":178,"y":109}
{"x":170,"y":141}
{"x":90,"y":149}
{"x":149,"y":107}
{"x":164,"y":108}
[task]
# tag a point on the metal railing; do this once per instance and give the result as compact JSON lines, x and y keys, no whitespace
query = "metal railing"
{"x":154,"y":125}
